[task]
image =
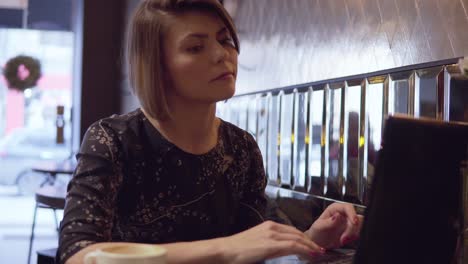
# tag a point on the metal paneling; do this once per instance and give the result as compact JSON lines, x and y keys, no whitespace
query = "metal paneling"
{"x":298,"y":41}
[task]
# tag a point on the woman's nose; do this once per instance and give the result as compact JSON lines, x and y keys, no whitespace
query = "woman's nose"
{"x":220,"y":53}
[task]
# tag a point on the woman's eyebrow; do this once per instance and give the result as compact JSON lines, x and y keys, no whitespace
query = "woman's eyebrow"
{"x":204,"y":35}
{"x":221,"y":31}
{"x":196,"y":35}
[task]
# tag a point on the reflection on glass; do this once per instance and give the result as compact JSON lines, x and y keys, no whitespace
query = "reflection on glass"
{"x":252,"y":115}
{"x":300,"y":140}
{"x":221,"y":110}
{"x":374,"y":111}
{"x":399,"y":97}
{"x":351,"y":159}
{"x":286,"y":126}
{"x":315,"y":147}
{"x":262,"y":137}
{"x":273,"y":134}
{"x":233,"y":105}
{"x":458,"y":99}
{"x":427,"y":92}
{"x":334,"y":182}
{"x":242,"y":104}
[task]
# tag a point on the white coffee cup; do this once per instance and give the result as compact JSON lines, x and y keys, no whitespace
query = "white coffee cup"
{"x":123,"y":254}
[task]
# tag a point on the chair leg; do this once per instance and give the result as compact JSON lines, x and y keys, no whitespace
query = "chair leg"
{"x":31,"y":238}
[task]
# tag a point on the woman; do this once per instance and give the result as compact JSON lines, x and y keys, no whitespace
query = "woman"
{"x":172,"y":173}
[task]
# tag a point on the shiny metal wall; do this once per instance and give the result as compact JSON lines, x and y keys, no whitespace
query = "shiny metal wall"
{"x":323,"y":138}
{"x":287,"y":42}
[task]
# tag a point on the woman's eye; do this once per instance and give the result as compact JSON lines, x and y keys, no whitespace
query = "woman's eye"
{"x":195,"y":49}
{"x":228,"y":41}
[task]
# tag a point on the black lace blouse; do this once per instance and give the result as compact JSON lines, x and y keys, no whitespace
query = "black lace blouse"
{"x":133,"y":185}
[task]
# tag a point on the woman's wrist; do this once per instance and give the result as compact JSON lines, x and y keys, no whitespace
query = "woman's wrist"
{"x":309,"y":233}
{"x":312,"y":235}
{"x":204,"y":251}
{"x":224,"y":250}
{"x":220,"y":250}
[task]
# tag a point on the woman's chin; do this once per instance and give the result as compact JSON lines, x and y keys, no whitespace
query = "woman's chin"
{"x":225,"y":94}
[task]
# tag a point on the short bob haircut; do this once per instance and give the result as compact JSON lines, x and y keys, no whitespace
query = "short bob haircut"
{"x":146,"y":31}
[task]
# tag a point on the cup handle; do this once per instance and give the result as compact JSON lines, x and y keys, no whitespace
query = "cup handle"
{"x":90,"y":258}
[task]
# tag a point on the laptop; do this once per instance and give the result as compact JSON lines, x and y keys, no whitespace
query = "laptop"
{"x":416,"y":212}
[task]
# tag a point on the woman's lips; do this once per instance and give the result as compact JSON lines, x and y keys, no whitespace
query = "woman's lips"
{"x":224,"y":76}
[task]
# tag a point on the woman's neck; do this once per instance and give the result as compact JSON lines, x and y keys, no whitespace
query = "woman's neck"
{"x":193,"y":127}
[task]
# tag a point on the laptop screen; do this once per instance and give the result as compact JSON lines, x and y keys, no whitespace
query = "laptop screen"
{"x":415,"y":212}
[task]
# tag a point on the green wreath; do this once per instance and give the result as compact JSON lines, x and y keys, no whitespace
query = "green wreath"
{"x":22,"y":72}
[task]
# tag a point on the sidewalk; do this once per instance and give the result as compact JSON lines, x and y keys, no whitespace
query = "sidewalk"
{"x":16,"y":214}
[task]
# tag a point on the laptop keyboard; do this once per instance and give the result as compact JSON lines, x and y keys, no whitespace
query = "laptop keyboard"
{"x":339,"y":256}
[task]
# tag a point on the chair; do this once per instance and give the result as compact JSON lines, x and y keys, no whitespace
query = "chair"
{"x":48,"y":197}
{"x":46,"y":256}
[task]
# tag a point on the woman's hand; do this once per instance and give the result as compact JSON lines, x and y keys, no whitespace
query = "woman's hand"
{"x":338,"y":225}
{"x":268,"y":240}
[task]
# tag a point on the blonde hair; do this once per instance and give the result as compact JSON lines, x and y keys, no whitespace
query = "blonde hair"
{"x":149,"y":23}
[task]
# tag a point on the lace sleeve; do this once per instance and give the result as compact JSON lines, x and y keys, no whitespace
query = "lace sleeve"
{"x":92,"y":192}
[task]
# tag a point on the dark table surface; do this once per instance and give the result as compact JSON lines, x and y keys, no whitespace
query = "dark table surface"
{"x":54,"y":167}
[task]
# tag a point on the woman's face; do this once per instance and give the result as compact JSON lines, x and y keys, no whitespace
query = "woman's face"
{"x":200,"y":58}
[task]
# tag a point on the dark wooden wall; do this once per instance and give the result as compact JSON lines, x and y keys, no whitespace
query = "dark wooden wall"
{"x":102,"y":40}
